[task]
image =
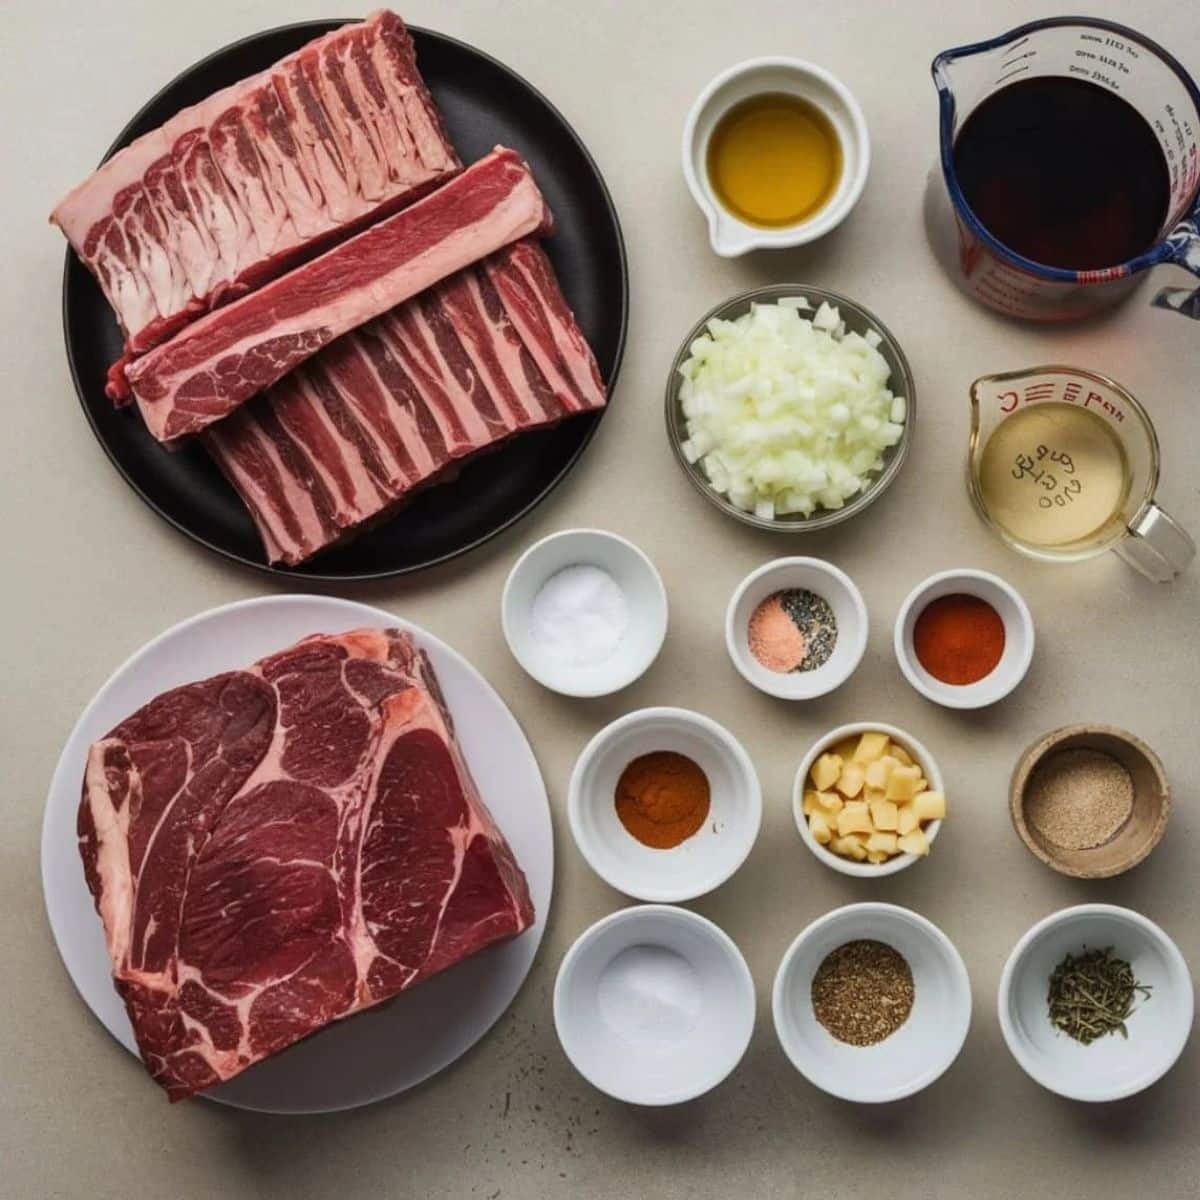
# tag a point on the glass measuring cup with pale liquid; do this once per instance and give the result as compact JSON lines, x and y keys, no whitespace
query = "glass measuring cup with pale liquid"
{"x":1063,"y":465}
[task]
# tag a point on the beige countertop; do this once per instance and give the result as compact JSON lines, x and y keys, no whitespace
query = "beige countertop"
{"x":92,"y":574}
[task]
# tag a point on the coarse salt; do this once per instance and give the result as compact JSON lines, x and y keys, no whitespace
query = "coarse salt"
{"x":579,"y":615}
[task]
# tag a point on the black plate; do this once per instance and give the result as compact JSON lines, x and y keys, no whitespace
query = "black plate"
{"x":484,"y":103}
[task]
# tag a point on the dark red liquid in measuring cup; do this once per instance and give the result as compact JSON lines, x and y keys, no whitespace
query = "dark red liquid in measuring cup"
{"x":1064,"y":172}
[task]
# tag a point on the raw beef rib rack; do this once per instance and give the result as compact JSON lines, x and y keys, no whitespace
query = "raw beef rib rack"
{"x":210,"y":369}
{"x":273,"y":849}
{"x":389,"y":408}
{"x":235,"y":190}
{"x":311,"y":283}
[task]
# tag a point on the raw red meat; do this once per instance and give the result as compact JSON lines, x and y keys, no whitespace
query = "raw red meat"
{"x":221,"y":360}
{"x":488,"y":353}
{"x":236,"y":189}
{"x":273,"y":849}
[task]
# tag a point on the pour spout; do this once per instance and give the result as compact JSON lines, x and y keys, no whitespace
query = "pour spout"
{"x":728,"y":238}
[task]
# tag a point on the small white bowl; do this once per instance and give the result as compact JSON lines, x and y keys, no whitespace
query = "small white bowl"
{"x":847,"y":866}
{"x":706,"y":859}
{"x":654,"y":1005}
{"x":1112,"y":1067}
{"x":636,"y":576}
{"x":837,"y":588}
{"x":729,"y":235}
{"x":1018,"y":638}
{"x":920,"y":1051}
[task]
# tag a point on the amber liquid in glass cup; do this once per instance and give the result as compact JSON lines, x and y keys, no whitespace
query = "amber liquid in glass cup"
{"x":1064,"y":464}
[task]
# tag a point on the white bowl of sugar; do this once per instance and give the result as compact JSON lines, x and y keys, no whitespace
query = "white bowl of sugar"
{"x":584,"y":612}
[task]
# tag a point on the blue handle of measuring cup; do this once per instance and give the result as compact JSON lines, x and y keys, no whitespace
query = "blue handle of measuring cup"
{"x":1182,"y":245}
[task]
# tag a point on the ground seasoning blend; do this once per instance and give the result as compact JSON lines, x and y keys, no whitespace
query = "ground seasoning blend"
{"x":863,"y":992}
{"x":662,"y":799}
{"x":1079,"y":798}
{"x":959,"y":639}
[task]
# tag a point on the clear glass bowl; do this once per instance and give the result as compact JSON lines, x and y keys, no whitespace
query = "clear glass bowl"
{"x":857,"y":319}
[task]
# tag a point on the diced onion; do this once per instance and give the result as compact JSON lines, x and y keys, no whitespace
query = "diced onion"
{"x":788,"y":413}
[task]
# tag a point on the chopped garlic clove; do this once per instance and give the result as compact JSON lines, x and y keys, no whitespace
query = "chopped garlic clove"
{"x":885,"y":815}
{"x":831,"y":802}
{"x":886,"y":842}
{"x":826,"y":771}
{"x":852,"y":819}
{"x":929,"y":806}
{"x":849,"y":848}
{"x":870,"y":746}
{"x":820,"y":829}
{"x":902,"y":783}
{"x":852,"y":779}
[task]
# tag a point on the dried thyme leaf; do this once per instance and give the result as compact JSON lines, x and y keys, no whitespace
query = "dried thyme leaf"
{"x":1092,"y":994}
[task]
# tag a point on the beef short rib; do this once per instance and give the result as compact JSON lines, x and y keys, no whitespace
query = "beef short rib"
{"x":341,"y":442}
{"x":220,"y":361}
{"x":236,"y":189}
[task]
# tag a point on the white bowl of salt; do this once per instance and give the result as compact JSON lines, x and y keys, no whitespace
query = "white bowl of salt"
{"x":584,"y":612}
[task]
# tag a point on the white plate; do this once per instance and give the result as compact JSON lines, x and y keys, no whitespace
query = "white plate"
{"x":380,"y":1052}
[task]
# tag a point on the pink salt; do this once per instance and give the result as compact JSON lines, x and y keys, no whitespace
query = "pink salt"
{"x":775,"y":641}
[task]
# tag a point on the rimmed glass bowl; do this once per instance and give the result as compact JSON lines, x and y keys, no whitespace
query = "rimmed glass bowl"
{"x":858,"y":320}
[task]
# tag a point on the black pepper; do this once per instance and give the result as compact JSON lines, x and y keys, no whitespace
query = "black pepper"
{"x":863,"y":992}
{"x":814,"y":617}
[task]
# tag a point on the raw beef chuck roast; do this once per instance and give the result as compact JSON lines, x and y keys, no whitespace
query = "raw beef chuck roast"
{"x":273,"y":849}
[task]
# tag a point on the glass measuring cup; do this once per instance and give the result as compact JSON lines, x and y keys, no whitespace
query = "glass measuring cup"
{"x":1046,"y":473}
{"x":1116,"y":58}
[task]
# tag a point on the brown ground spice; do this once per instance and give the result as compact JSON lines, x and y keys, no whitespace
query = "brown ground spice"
{"x":863,"y":992}
{"x":662,"y":798}
{"x":1079,"y":798}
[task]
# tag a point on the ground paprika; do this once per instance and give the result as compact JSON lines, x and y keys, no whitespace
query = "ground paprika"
{"x":959,"y":639}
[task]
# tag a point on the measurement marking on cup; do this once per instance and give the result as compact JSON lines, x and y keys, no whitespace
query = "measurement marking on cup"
{"x":1008,"y":62}
{"x":1018,"y":71}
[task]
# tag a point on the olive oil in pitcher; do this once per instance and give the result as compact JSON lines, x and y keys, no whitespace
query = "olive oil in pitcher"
{"x":1054,"y":476}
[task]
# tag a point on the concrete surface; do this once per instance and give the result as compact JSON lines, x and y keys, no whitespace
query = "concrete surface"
{"x":90,"y":574}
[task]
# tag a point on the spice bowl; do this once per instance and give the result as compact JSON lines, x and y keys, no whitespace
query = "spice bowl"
{"x":654,"y":1005}
{"x":845,"y":610}
{"x":1138,"y":832}
{"x":912,"y":1057}
{"x":645,"y":606}
{"x":919,"y":754}
{"x":702,"y":861}
{"x":1015,"y":657}
{"x":1111,"y":1067}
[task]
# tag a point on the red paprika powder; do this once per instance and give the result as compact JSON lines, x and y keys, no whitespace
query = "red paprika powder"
{"x":959,"y":639}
